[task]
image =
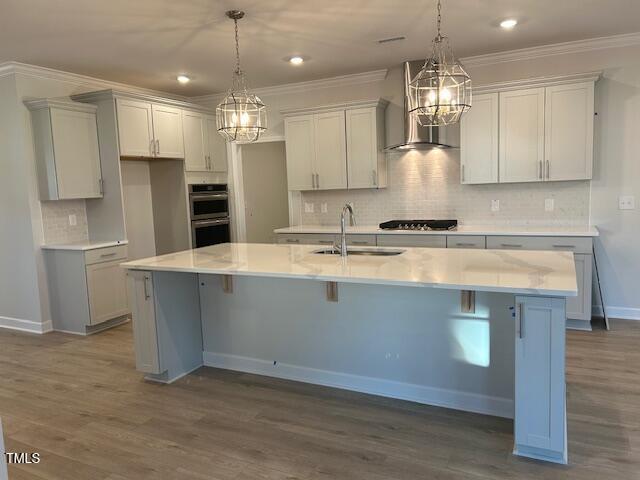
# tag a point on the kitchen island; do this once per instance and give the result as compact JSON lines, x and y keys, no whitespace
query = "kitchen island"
{"x":475,"y":330}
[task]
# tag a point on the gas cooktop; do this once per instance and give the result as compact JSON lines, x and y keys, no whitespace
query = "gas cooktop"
{"x":419,"y":225}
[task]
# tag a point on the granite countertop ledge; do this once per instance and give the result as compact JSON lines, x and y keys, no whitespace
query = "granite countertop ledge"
{"x":84,"y":245}
{"x":509,"y":230}
{"x":508,"y":271}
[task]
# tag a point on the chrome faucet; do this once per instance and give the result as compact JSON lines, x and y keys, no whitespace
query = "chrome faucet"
{"x":343,"y":228}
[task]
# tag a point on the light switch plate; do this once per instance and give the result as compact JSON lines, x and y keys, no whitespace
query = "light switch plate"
{"x":495,"y":205}
{"x":73,"y":221}
{"x":626,"y":202}
{"x":323,"y":207}
{"x":549,"y":204}
{"x":308,"y":207}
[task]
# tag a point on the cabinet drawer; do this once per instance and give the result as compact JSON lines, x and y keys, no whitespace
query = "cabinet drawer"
{"x":417,"y":240}
{"x":571,"y":244}
{"x":307,"y":239}
{"x":99,"y":255}
{"x":466,"y":241}
{"x":360,"y":240}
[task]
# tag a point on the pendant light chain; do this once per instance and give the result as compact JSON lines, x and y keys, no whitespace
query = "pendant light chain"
{"x":439,"y":18}
{"x":238,"y":71}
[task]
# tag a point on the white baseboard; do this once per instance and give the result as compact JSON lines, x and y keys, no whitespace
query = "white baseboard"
{"x":25,"y":325}
{"x":617,"y":312}
{"x":470,"y":402}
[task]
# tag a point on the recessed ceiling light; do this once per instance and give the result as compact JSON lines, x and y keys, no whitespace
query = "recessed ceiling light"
{"x":296,"y":60}
{"x":183,"y":79}
{"x":509,"y":23}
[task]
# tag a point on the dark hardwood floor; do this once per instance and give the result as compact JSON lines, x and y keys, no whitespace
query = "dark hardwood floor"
{"x":79,"y":402}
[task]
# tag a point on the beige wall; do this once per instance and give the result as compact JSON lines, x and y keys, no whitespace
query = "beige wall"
{"x":264,"y":173}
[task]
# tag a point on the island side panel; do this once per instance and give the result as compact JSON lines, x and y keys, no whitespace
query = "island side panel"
{"x":167,"y":326}
{"x":540,"y":394}
{"x":412,"y":343}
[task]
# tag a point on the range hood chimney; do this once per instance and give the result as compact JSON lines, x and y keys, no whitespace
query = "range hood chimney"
{"x":415,"y":135}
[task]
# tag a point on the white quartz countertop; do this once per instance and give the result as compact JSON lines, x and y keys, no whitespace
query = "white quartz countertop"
{"x":85,"y":245}
{"x":522,"y":272}
{"x":530,"y":231}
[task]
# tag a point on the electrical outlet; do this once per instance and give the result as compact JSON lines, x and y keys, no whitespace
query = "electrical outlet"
{"x":308,"y":207}
{"x":626,"y":202}
{"x":549,"y":204}
{"x":323,"y":207}
{"x":73,"y":221}
{"x":495,"y":205}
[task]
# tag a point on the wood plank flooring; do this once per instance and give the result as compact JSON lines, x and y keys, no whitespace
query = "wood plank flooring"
{"x":79,"y":402}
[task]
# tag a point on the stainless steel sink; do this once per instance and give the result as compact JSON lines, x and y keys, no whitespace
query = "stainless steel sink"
{"x":360,"y":251}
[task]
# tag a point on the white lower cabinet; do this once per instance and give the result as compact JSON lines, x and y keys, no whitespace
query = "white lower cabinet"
{"x":87,"y":289}
{"x":540,"y":413}
{"x":145,"y":334}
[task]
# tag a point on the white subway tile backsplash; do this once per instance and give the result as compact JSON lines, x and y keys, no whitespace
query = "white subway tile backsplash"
{"x":55,"y":221}
{"x":426,"y":184}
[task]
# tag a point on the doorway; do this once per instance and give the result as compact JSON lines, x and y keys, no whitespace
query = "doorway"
{"x":264,"y":180}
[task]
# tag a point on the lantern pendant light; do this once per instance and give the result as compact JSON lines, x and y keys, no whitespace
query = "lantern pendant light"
{"x":241,"y":116}
{"x":441,"y":92}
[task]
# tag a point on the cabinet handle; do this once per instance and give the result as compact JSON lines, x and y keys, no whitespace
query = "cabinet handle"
{"x":512,"y":245}
{"x":152,"y":146}
{"x":325,"y":242}
{"x":157,"y":147}
{"x":313,"y":180}
{"x":101,"y":186}
{"x":293,"y":240}
{"x":548,"y":170}
{"x":317,"y":180}
{"x":360,"y":242}
{"x":105,"y":255}
{"x":465,"y":244}
{"x":520,"y":315}
{"x":147,"y":296}
{"x":462,"y":166}
{"x":540,"y":169}
{"x":374,"y":177}
{"x":564,"y":246}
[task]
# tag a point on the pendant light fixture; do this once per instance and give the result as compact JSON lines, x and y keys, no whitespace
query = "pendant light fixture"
{"x":441,"y":92}
{"x":241,"y":116}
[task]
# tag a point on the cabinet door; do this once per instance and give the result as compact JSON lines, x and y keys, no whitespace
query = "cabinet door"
{"x":330,"y":161}
{"x":143,"y":316}
{"x":479,"y":141}
{"x":76,"y":153}
{"x":167,"y":131}
{"x":579,"y":308}
{"x":362,"y":148}
{"x":300,"y":150}
{"x":569,"y":131}
{"x":540,"y":388}
{"x":135,"y":128}
{"x":195,"y":142}
{"x":217,"y":147}
{"x":107,"y":287}
{"x":522,"y":135}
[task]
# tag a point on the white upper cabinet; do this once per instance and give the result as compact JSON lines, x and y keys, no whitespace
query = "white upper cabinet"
{"x":479,"y":141}
{"x":330,"y":163}
{"x":167,"y":131}
{"x":300,"y":151}
{"x":135,"y":128}
{"x":530,"y":134}
{"x":216,"y":146}
{"x":336,"y":147}
{"x":366,"y":165}
{"x":569,"y":131}
{"x":521,"y":135}
{"x":67,"y":150}
{"x":149,"y":130}
{"x":204,"y":148}
{"x":196,"y":155}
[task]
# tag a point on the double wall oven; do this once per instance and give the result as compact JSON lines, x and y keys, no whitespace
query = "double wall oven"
{"x":209,"y":212}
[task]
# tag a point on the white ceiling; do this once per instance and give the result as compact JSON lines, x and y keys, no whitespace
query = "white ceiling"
{"x":148,"y":42}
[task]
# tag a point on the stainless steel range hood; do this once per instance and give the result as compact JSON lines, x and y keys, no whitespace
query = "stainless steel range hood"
{"x":417,"y":136}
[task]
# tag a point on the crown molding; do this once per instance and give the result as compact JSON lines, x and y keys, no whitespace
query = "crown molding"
{"x":298,"y":87}
{"x":10,"y":68}
{"x":377,"y":103}
{"x":100,"y":95}
{"x":537,"y":82}
{"x":591,"y":44}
